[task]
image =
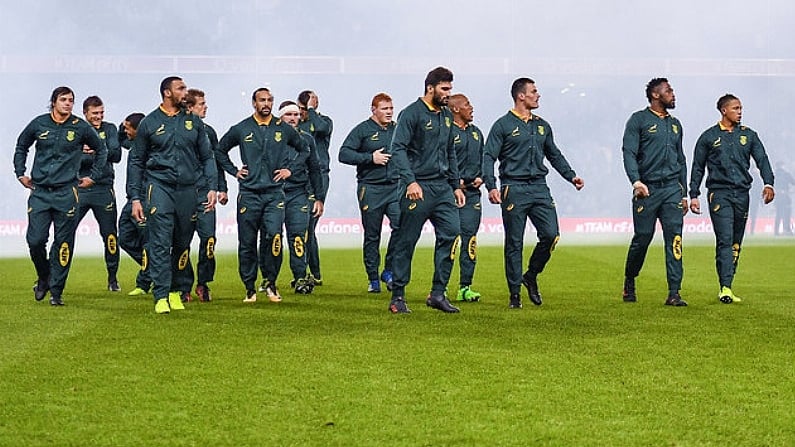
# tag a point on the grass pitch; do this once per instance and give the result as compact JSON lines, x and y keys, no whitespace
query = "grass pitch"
{"x":335,"y":369}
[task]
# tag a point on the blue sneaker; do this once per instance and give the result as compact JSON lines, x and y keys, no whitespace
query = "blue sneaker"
{"x":386,"y":277}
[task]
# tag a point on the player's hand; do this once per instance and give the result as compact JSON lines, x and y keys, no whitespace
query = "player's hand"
{"x":578,"y":182}
{"x":87,"y":150}
{"x":281,"y":174}
{"x":380,"y":158}
{"x":414,"y":191}
{"x":318,"y":208}
{"x":768,"y":193}
{"x":495,"y":197}
{"x":695,"y":205}
{"x":477,"y":182}
{"x":684,"y":206}
{"x":209,"y":205}
{"x":85,"y":182}
{"x":137,"y":211}
{"x":460,"y":198}
{"x":242,"y":173}
{"x":640,"y":190}
{"x":223,"y":197}
{"x":26,"y":182}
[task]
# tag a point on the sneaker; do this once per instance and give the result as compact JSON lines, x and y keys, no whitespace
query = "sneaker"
{"x":137,"y":292}
{"x":675,"y":300}
{"x":303,"y":286}
{"x":315,"y":280}
{"x":40,"y":289}
{"x":162,"y":307}
{"x":203,"y":292}
{"x":398,"y":305}
{"x":515,"y":301}
{"x":273,"y":293}
{"x":530,"y":281}
{"x":726,"y":296}
{"x":113,"y":286}
{"x":440,"y":302}
{"x":251,"y":296}
{"x":375,"y":286}
{"x":467,"y":294}
{"x":387,"y":278}
{"x":186,"y":297}
{"x":56,"y":300}
{"x":629,"y":290}
{"x":262,"y":285}
{"x":175,"y":300}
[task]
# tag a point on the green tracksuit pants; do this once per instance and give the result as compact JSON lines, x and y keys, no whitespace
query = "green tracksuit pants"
{"x":259,"y":214}
{"x":664,"y":203}
{"x":57,"y":207}
{"x":375,"y":202}
{"x":728,"y":210}
{"x":101,"y":200}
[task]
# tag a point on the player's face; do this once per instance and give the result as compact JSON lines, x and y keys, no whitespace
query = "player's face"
{"x":95,"y":115}
{"x":200,"y":108}
{"x":382,"y":113}
{"x":530,"y":97}
{"x":263,"y":104}
{"x":291,"y":117}
{"x":441,"y":93}
{"x":667,"y":96}
{"x":466,"y":111}
{"x":177,"y":93}
{"x":733,"y":111}
{"x":129,"y":130}
{"x":63,"y":104}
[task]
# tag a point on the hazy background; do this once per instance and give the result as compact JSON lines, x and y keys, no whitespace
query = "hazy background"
{"x":590,"y":60}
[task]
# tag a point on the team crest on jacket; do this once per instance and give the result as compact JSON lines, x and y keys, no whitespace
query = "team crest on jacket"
{"x":457,"y":139}
{"x":675,"y":128}
{"x":102,"y":134}
{"x":743,"y":140}
{"x":277,"y":136}
{"x":475,"y":136}
{"x":70,"y":135}
{"x":541,"y":130}
{"x":447,"y":121}
{"x":188,"y":124}
{"x":312,"y":127}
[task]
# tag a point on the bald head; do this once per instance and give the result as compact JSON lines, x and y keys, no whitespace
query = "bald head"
{"x":461,"y":108}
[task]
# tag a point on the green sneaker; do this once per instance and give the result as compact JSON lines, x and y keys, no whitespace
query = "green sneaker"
{"x":467,"y":294}
{"x":137,"y":292}
{"x":175,"y":301}
{"x":726,"y":296}
{"x":161,"y":306}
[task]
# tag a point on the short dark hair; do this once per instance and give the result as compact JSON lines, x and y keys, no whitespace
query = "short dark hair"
{"x":91,"y":101}
{"x":519,"y":86}
{"x":438,"y":75}
{"x":303,"y":97}
{"x":134,"y":119}
{"x":723,"y":100}
{"x":261,"y":89}
{"x":193,"y":96}
{"x":653,"y":84}
{"x":165,"y":84}
{"x":59,"y":91}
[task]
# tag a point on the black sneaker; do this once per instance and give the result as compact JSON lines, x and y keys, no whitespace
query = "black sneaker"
{"x":185,"y":297}
{"x":304,"y":286}
{"x":629,"y":290}
{"x":675,"y":300}
{"x":440,"y":302}
{"x":529,"y":281}
{"x":56,"y":301}
{"x":398,"y":306}
{"x":203,"y":292}
{"x":515,"y":301}
{"x":113,"y":285}
{"x":40,"y":289}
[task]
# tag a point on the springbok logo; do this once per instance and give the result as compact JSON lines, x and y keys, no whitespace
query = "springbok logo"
{"x":44,"y":135}
{"x":184,"y":258}
{"x":375,"y":137}
{"x":63,"y":254}
{"x":472,"y":247}
{"x":298,"y":246}
{"x":276,"y":245}
{"x":735,"y":253}
{"x":743,"y":140}
{"x":447,"y":121}
{"x":677,"y":247}
{"x":277,"y":136}
{"x":144,"y":260}
{"x":111,"y":243}
{"x":475,"y":136}
{"x":454,"y":248}
{"x":675,"y":128}
{"x":541,"y":130}
{"x":70,"y":135}
{"x":102,"y":134}
{"x":412,"y":205}
{"x":188,"y":124}
{"x":161,"y":130}
{"x":653,"y":129}
{"x":249,"y":138}
{"x":210,"y":248}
